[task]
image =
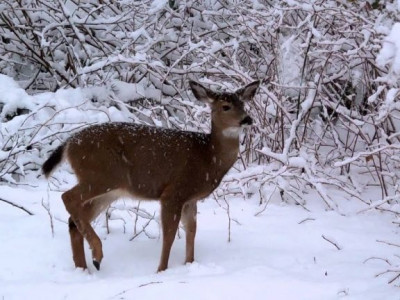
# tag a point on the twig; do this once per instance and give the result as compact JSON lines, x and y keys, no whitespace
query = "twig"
{"x":143,"y":228}
{"x":266,"y":203}
{"x":229,"y":218}
{"x":149,"y":283}
{"x":333,"y":243}
{"x":394,"y":278}
{"x":107,"y":219}
{"x":378,"y":258}
{"x":136,"y":220}
{"x":46,"y":206}
{"x":390,"y":271}
{"x":305,"y":220}
{"x":17,"y":206}
{"x":227,"y":209}
{"x":388,"y":243}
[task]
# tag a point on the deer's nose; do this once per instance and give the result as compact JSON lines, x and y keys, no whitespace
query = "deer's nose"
{"x":246,"y":121}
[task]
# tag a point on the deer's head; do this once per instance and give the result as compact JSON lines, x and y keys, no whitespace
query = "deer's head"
{"x":227,"y":109}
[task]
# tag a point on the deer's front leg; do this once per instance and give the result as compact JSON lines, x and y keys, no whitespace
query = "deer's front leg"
{"x":189,"y":216}
{"x":170,"y":217}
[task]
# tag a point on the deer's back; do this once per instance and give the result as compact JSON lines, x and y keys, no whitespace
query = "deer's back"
{"x":141,"y":159}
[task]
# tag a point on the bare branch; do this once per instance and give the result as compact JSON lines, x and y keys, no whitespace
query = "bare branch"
{"x":17,"y":206}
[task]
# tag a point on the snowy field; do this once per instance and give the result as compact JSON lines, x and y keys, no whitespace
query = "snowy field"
{"x":279,"y":254}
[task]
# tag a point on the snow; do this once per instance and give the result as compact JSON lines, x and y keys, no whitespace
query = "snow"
{"x":301,"y":224}
{"x":276,"y":251}
{"x":12,"y":97}
{"x":280,"y":254}
{"x":156,"y":6}
{"x":390,"y":52}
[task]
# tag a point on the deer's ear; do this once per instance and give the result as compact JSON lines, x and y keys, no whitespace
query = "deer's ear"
{"x":247,"y":93}
{"x":201,"y":93}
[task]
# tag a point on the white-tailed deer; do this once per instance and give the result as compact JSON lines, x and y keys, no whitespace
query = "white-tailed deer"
{"x":177,"y":167}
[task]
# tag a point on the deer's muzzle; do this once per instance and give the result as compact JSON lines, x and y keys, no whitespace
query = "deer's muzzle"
{"x":246,"y":121}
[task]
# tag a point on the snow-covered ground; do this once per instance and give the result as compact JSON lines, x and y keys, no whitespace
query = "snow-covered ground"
{"x":278,"y":254}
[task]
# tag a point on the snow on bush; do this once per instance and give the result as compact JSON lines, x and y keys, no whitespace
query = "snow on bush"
{"x":389,"y":55}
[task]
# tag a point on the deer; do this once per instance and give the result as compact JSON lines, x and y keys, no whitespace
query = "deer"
{"x":178,"y":168}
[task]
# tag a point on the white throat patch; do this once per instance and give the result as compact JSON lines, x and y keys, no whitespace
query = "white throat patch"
{"x":232,"y":132}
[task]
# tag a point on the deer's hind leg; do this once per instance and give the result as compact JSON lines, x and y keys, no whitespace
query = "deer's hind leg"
{"x":78,"y":251}
{"x":189,"y":215}
{"x":84,"y":202}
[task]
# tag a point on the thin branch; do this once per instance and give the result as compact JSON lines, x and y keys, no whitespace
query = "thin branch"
{"x":17,"y":206}
{"x":333,"y":243}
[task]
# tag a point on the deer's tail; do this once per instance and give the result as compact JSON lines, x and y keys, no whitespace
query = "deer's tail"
{"x":53,"y":161}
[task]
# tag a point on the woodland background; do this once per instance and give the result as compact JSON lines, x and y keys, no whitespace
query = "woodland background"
{"x":326,"y":114}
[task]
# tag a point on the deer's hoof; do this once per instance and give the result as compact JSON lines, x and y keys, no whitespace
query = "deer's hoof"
{"x":96,"y":264}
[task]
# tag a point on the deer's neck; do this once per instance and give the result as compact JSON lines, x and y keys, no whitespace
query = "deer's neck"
{"x":224,"y":145}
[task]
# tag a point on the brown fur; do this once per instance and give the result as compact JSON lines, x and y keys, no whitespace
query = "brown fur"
{"x":177,"y":167}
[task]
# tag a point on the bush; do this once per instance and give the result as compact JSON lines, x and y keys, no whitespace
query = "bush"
{"x":326,"y":111}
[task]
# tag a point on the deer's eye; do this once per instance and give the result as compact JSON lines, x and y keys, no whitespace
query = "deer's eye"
{"x":226,"y":107}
